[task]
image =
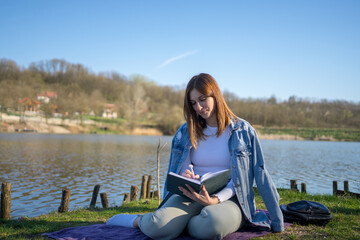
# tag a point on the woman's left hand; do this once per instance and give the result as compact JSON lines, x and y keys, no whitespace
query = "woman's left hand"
{"x":203,"y":197}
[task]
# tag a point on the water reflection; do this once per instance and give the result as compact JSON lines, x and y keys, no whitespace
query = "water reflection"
{"x":39,"y":166}
{"x":315,"y":163}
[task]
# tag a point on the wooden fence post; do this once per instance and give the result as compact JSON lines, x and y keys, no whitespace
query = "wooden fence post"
{"x":94,"y":196}
{"x":155,"y":194}
{"x":346,"y":187}
{"x":5,"y":209}
{"x":149,"y":186}
{"x":126,"y":198}
{"x":104,"y":200}
{"x":65,"y":199}
{"x":143,"y":187}
{"x":152,"y":194}
{"x":303,"y":187}
{"x":293,"y":185}
{"x":134,"y":193}
{"x":335,"y":189}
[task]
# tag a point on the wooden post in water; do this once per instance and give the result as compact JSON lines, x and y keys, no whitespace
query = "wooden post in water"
{"x":149,"y":186}
{"x":152,"y":192}
{"x":156,"y":194}
{"x":94,"y":196}
{"x":293,"y":185}
{"x":143,"y":187}
{"x":346,"y":187}
{"x":335,"y":188}
{"x":158,"y":168}
{"x":134,"y":193}
{"x":303,"y":187}
{"x":65,"y":199}
{"x":5,"y":209}
{"x":104,"y":200}
{"x":126,"y":198}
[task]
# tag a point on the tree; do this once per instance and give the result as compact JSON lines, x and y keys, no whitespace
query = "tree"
{"x":133,"y":103}
{"x":47,"y":109}
{"x":169,"y":118}
{"x":97,"y":102}
{"x":9,"y":70}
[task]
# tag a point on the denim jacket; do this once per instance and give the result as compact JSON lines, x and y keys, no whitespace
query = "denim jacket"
{"x":247,"y":165}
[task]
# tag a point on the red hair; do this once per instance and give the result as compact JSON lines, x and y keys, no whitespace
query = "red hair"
{"x":206,"y":85}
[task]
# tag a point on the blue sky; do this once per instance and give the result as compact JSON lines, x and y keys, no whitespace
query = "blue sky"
{"x":257,"y":49}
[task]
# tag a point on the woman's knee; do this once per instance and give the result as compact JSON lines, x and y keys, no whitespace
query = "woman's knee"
{"x":203,"y":226}
{"x":170,"y":220}
{"x":216,"y":221}
{"x":161,"y":225}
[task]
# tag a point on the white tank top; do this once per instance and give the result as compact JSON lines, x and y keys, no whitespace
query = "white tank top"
{"x":212,"y":153}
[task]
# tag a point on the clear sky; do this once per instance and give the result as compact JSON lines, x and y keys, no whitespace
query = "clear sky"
{"x":258,"y":49}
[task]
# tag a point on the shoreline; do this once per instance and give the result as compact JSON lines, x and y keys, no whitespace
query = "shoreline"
{"x":14,"y":124}
{"x":35,"y":124}
{"x":44,"y":128}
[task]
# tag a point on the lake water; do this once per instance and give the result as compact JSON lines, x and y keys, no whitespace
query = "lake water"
{"x":39,"y":166}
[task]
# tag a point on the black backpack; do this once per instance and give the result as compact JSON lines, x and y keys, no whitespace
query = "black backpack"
{"x":305,"y":212}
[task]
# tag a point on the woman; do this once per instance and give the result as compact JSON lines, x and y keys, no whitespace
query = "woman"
{"x":212,"y":139}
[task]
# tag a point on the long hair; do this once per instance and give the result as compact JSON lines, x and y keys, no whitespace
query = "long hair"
{"x":206,"y":85}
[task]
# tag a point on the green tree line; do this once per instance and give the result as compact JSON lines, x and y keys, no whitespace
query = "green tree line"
{"x":139,"y":100}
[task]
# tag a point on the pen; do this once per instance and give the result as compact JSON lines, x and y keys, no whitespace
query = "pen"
{"x":192,"y":169}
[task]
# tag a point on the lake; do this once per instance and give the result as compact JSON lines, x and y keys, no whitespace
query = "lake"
{"x":39,"y":166}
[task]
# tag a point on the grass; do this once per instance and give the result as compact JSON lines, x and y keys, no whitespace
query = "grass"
{"x":106,"y":120}
{"x":32,"y":228}
{"x":345,"y":223}
{"x":337,"y":134}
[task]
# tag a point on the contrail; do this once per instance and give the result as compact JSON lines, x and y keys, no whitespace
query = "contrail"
{"x":173,"y":59}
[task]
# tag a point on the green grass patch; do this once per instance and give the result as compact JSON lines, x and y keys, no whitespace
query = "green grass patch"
{"x":106,"y":120}
{"x":345,"y":224}
{"x":32,"y":228}
{"x":315,"y":133}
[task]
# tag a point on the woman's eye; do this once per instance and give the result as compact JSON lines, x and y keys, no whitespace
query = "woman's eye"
{"x":202,"y":99}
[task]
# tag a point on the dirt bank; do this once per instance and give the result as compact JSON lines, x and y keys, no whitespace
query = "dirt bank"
{"x":39,"y":125}
{"x":59,"y":126}
{"x":279,"y":137}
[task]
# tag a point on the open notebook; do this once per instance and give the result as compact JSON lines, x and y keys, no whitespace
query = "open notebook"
{"x":213,"y":182}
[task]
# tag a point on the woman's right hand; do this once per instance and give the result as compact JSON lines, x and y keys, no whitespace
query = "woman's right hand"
{"x":190,"y":174}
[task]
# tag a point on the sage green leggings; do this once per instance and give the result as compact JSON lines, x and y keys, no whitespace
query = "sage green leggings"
{"x":210,"y":222}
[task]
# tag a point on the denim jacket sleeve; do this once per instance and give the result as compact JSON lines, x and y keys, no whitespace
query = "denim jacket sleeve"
{"x":180,"y":147}
{"x":265,"y":185}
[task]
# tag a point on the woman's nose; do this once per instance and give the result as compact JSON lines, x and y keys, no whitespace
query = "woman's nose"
{"x":198,"y":106}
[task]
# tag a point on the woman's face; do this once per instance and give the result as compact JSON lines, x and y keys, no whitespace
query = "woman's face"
{"x":204,"y":106}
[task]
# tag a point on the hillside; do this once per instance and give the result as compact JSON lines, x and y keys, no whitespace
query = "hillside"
{"x":73,"y":93}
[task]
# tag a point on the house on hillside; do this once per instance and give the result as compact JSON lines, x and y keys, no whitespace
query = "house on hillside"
{"x":46,"y":97}
{"x":28,"y":106}
{"x":110,"y":111}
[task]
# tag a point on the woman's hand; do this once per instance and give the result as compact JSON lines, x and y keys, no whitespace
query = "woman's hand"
{"x":190,"y":174}
{"x":203,"y":198}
